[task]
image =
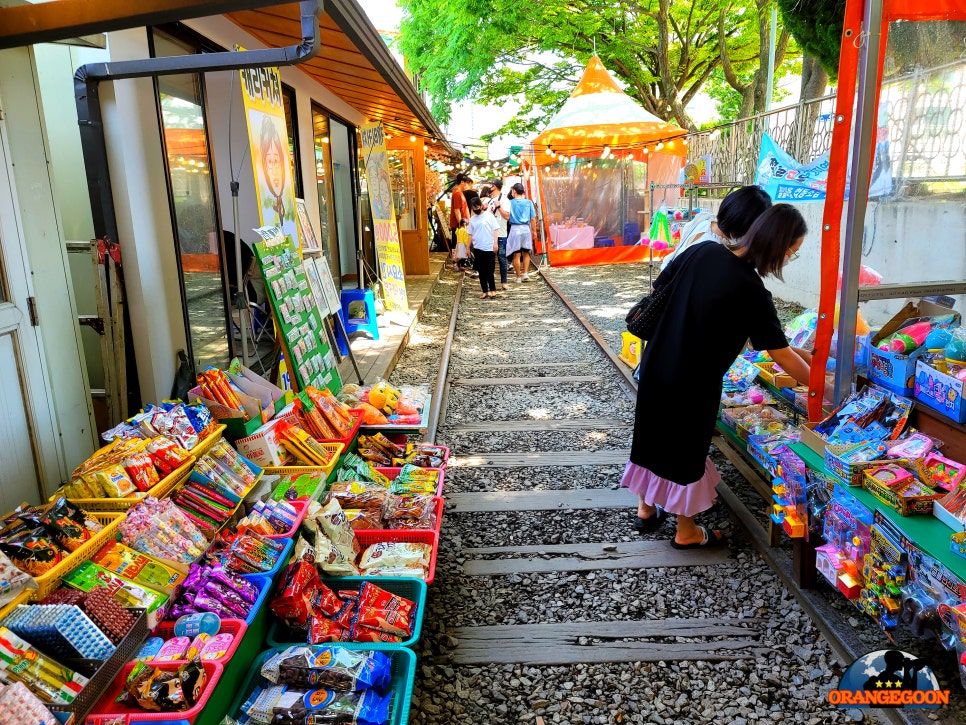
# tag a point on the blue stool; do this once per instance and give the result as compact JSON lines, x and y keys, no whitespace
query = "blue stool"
{"x":603,"y":241}
{"x":632,"y":234}
{"x":367,"y":323}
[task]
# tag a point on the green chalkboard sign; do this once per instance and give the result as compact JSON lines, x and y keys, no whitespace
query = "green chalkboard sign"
{"x":301,"y":324}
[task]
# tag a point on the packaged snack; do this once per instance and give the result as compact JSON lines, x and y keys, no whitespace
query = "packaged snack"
{"x":150,"y":648}
{"x":385,"y":611}
{"x":19,"y":705}
{"x":334,"y":668}
{"x":194,"y":624}
{"x":331,"y":560}
{"x":174,"y":649}
{"x":65,"y":523}
{"x":395,"y":553}
{"x":367,"y":634}
{"x":217,"y":647}
{"x":89,"y":576}
{"x":197,"y":645}
{"x":364,"y":519}
{"x":358,"y":495}
{"x":49,"y":680}
{"x":293,"y":604}
{"x":322,"y":630}
{"x":137,"y":567}
{"x":333,"y":524}
{"x":411,"y":512}
{"x":297,"y":707}
{"x":31,"y":552}
{"x":158,"y":690}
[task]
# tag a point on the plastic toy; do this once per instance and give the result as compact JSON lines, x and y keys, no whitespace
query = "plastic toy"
{"x":908,"y":338}
{"x":789,"y":487}
{"x":885,"y":571}
{"x":942,"y":472}
{"x":848,"y":533}
{"x":384,"y":397}
{"x":659,"y":238}
{"x":891,"y":476}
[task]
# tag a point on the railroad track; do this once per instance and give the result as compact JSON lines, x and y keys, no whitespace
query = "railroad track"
{"x":545,"y":600}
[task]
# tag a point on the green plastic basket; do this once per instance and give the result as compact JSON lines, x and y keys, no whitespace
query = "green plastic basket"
{"x":280,"y":636}
{"x":400,"y":684}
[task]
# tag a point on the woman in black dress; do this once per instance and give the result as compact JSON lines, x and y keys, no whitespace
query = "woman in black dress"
{"x":717,"y":304}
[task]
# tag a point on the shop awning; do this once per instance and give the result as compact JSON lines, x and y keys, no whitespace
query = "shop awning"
{"x":354,"y":64}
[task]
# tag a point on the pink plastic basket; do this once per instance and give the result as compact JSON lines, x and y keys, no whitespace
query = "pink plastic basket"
{"x":301,"y":507}
{"x":368,"y":537}
{"x":107,"y":706}
{"x":438,"y":503}
{"x":393,"y":473}
{"x":234,"y":627}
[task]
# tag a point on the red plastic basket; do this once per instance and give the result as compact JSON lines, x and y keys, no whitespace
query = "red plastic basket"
{"x":347,"y":441}
{"x":368,"y":537}
{"x":234,"y":627}
{"x":393,"y":473}
{"x":107,"y":706}
{"x":438,"y":504}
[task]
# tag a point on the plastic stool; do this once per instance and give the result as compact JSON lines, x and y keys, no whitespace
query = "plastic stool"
{"x":603,"y":241}
{"x":355,"y":324}
{"x":632,"y":232}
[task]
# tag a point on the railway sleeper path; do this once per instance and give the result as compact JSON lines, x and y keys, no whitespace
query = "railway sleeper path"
{"x":547,"y":607}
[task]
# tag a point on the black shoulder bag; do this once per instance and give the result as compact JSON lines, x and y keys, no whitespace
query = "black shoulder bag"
{"x":643,"y":318}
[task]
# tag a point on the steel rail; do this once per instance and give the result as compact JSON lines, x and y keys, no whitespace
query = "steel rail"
{"x":843,"y":641}
{"x":443,"y":375}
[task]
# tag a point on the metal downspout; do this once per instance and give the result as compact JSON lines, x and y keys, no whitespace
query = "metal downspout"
{"x":88,"y":77}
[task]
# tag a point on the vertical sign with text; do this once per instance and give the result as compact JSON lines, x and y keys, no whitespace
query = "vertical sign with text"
{"x":386,"y":232}
{"x":271,"y":158}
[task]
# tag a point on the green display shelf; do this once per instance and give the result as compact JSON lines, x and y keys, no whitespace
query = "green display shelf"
{"x":928,"y":533}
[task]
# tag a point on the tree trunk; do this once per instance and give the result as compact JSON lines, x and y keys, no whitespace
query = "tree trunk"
{"x":814,"y":79}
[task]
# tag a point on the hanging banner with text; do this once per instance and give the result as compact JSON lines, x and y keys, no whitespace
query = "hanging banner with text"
{"x":384,"y":217}
{"x":271,"y":158}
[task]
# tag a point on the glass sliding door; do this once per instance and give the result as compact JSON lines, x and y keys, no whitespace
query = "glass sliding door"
{"x":323,"y":180}
{"x":194,"y":208}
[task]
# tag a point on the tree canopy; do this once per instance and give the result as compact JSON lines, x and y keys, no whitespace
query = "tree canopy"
{"x":663,"y":51}
{"x":817,"y":27}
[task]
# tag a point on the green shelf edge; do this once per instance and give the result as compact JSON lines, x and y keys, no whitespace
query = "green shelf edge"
{"x":927,"y":532}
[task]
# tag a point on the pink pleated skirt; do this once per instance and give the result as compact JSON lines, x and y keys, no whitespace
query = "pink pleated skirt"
{"x":674,"y":498}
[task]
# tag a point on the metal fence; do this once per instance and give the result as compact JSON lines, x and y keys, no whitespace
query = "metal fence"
{"x":921,"y":113}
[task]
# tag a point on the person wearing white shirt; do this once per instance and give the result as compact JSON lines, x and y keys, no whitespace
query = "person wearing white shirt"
{"x":500,"y":208}
{"x":483,"y":230}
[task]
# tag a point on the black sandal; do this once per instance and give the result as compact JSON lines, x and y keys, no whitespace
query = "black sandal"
{"x":651,"y":523}
{"x":708,"y":541}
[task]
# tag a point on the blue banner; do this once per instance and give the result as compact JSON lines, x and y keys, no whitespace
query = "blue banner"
{"x":785,"y":179}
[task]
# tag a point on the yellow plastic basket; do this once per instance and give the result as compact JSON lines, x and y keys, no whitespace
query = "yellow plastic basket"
{"x":335,"y":448}
{"x":50,"y":581}
{"x":21,"y":598}
{"x":159,"y":490}
{"x":208,"y":443}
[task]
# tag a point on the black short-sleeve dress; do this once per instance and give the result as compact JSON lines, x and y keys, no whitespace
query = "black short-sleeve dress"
{"x":718,"y":303}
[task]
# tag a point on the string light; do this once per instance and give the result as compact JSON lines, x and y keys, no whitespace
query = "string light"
{"x":412,"y":139}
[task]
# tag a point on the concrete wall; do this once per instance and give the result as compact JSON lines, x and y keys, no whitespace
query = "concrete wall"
{"x":905,"y":241}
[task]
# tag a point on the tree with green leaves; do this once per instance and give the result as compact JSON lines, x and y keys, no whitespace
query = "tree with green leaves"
{"x":816,"y":26}
{"x":663,"y":51}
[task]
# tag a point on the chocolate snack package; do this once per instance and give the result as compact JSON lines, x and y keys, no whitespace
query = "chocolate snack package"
{"x":395,"y":553}
{"x":335,"y":526}
{"x":319,"y":707}
{"x":333,"y":668}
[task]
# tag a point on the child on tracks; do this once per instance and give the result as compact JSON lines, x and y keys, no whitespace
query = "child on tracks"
{"x":523,"y":230}
{"x":483,"y":230}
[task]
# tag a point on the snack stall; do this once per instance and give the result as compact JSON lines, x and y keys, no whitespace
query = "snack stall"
{"x":869,"y":487}
{"x":228,"y":556}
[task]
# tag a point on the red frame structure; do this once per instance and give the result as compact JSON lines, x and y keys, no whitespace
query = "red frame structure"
{"x":864,"y":35}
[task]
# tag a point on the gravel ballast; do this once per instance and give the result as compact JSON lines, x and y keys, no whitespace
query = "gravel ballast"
{"x":792,"y":668}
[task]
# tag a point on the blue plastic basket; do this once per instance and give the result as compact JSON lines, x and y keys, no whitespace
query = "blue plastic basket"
{"x":280,"y":563}
{"x":266,"y":588}
{"x":280,"y":636}
{"x":400,"y":683}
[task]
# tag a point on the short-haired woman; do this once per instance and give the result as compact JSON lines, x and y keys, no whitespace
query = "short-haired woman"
{"x":717,"y":303}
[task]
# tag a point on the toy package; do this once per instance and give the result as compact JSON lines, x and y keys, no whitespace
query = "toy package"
{"x":847,"y":530}
{"x":872,"y":414}
{"x":885,"y":573}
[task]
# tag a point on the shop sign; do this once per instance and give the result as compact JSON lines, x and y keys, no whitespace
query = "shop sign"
{"x":268,"y":142}
{"x":385,"y":231}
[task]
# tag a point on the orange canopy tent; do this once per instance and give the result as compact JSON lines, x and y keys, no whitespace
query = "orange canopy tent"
{"x":595,"y":163}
